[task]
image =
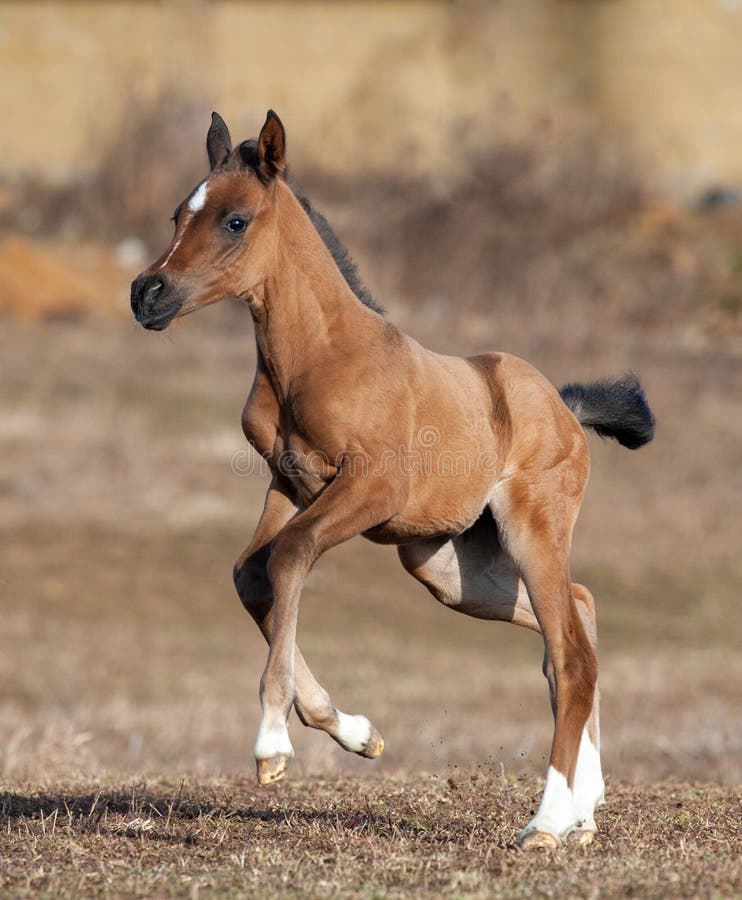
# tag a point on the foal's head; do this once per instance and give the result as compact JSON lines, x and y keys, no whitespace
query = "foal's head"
{"x":229,"y":212}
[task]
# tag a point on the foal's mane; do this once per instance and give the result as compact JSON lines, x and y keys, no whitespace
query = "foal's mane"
{"x":248,"y":151}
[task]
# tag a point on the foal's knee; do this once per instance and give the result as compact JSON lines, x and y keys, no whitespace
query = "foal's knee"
{"x":252,"y":584}
{"x":293,"y":552}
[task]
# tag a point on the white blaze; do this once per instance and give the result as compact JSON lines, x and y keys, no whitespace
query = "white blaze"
{"x":198,"y":198}
{"x":172,"y":250}
{"x":196,"y":202}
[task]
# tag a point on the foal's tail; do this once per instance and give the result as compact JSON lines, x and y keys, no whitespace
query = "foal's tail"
{"x":615,"y":408}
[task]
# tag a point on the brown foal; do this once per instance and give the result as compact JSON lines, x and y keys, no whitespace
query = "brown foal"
{"x":475,"y":468}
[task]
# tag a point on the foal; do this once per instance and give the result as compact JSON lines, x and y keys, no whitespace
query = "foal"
{"x":475,"y":468}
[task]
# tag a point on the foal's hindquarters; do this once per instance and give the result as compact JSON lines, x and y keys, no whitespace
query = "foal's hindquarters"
{"x":513,"y":565}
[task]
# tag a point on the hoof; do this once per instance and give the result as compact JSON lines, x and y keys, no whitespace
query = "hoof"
{"x":538,"y":840}
{"x":273,"y":769}
{"x":373,"y":747}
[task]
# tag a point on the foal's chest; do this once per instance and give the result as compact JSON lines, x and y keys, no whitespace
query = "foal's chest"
{"x":289,"y":452}
{"x":308,"y":468}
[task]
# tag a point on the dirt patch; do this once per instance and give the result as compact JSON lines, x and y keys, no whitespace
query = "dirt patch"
{"x":53,"y":280}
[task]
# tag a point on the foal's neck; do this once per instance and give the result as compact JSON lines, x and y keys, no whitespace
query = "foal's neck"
{"x":305,"y":313}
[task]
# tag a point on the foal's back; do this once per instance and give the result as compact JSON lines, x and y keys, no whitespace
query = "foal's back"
{"x":461,"y":425}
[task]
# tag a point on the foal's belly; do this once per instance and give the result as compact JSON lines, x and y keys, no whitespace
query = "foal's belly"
{"x":405,"y":531}
{"x":439,"y":510}
{"x":402,"y":530}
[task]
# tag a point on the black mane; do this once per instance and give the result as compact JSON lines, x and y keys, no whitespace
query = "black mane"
{"x":340,"y":254}
{"x":249,"y":152}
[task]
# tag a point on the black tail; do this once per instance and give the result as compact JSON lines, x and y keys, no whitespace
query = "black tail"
{"x":615,"y":408}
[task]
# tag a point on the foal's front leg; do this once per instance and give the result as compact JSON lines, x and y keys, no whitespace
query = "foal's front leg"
{"x":312,"y":702}
{"x":350,"y":505}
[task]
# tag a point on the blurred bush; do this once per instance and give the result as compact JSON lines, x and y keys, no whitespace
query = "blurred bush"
{"x":158,"y":154}
{"x":550,"y":243}
{"x":561,"y":239}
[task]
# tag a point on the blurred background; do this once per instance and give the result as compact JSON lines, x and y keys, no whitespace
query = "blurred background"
{"x":561,"y":179}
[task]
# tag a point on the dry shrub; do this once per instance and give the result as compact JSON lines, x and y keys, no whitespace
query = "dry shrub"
{"x":561,"y":241}
{"x":157,"y":155}
{"x":529,"y":233}
{"x":549,"y":242}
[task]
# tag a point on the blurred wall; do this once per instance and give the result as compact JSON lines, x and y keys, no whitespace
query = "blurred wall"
{"x":383,"y":83}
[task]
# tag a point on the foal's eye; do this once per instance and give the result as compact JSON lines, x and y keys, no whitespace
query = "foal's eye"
{"x":236,"y":225}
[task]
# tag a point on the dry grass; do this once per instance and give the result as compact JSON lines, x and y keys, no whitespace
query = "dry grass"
{"x":129,"y":653}
{"x":341,"y":837}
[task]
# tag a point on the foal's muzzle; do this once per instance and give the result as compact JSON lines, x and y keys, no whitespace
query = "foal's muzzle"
{"x":153,"y":301}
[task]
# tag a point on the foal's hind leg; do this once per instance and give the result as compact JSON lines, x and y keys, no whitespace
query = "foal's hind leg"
{"x":535,"y":514}
{"x":589,"y":787}
{"x":472,"y":574}
{"x":312,"y":702}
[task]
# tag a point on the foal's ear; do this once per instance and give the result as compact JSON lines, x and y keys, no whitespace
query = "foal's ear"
{"x":272,"y":147}
{"x":218,"y":141}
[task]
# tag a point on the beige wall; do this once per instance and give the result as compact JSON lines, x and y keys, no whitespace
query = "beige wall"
{"x":381,"y":83}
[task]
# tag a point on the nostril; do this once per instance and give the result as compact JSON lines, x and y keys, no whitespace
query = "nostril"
{"x":136,"y":293}
{"x":153,"y":288}
{"x":145,"y":289}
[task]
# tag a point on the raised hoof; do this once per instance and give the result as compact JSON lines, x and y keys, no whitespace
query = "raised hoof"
{"x":538,"y":840}
{"x":273,"y":769}
{"x":374,"y":746}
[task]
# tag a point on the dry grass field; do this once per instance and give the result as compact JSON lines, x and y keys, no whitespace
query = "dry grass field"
{"x":423,"y":836}
{"x":129,"y":671}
